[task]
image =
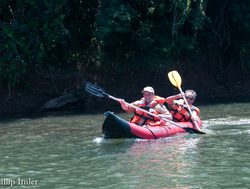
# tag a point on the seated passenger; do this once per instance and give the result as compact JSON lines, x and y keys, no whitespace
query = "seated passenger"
{"x":178,"y":108}
{"x":151,"y":103}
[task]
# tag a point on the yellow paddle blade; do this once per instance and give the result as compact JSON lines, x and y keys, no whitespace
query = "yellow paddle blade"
{"x":175,"y":78}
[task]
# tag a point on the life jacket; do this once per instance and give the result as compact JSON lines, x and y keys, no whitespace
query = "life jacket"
{"x":141,"y":118}
{"x":182,"y":114}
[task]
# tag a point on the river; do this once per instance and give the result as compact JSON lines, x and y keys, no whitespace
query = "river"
{"x":69,"y":152}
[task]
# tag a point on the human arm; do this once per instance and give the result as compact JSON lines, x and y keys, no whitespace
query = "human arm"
{"x":195,"y":112}
{"x":127,"y":106}
{"x":163,"y":112}
{"x":124,"y":104}
{"x":170,"y":99}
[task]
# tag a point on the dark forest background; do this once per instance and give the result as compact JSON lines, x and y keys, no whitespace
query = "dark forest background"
{"x":51,"y":48}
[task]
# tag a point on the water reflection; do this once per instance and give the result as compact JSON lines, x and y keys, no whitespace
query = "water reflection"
{"x":152,"y":162}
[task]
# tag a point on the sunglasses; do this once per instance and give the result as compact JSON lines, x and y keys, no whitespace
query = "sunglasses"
{"x":189,"y":98}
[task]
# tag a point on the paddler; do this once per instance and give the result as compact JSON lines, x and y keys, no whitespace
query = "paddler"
{"x":178,"y":108}
{"x":151,"y":103}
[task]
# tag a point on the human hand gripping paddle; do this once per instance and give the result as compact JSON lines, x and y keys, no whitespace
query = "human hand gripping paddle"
{"x":99,"y":92}
{"x":175,"y":79}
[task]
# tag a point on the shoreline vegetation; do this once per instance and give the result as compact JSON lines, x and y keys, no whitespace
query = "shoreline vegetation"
{"x":50,"y":49}
{"x":73,"y":98}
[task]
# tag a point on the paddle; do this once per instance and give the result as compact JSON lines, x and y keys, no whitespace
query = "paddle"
{"x":98,"y":91}
{"x":175,"y":79}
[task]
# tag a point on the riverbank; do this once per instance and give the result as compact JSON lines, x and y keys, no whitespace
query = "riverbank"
{"x":72,"y":97}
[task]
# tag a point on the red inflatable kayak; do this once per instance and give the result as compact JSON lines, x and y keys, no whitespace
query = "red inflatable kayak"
{"x":116,"y":127}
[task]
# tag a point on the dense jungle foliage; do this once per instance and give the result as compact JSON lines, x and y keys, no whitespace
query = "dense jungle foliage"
{"x":42,"y":40}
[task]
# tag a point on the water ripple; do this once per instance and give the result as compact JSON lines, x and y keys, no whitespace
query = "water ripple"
{"x":67,"y":152}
